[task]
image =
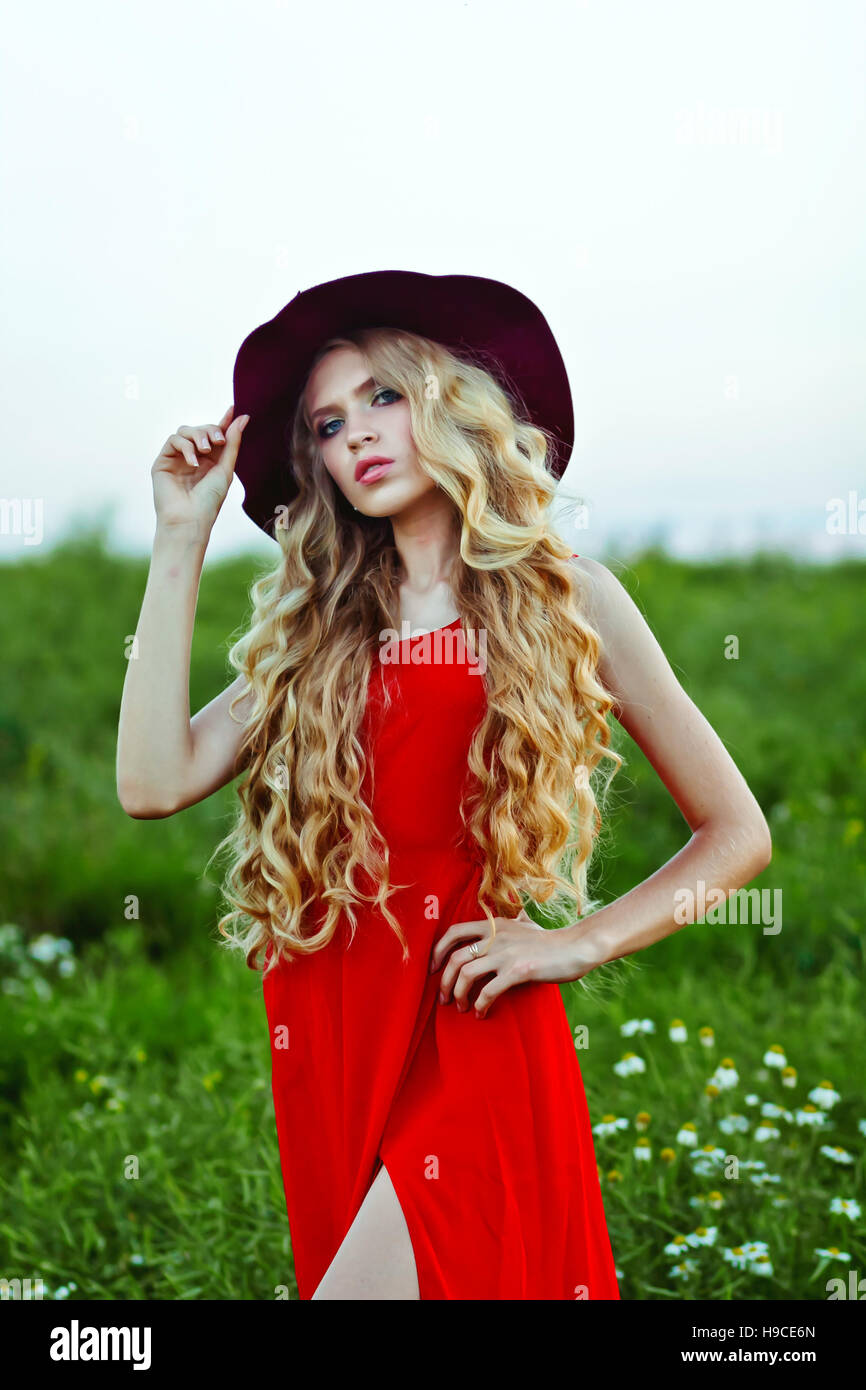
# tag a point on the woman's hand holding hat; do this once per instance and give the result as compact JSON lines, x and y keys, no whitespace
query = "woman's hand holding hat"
{"x":188,"y":491}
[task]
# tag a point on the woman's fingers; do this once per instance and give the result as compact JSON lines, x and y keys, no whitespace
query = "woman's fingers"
{"x":229,"y":454}
{"x":190,"y":487}
{"x":456,"y":961}
{"x":180,"y":443}
{"x":210,"y":434}
{"x":187,"y":438}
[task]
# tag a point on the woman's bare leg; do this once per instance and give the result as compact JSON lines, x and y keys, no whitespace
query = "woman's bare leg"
{"x":376,"y":1259}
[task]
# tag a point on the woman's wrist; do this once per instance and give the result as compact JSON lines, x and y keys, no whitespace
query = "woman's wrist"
{"x":180,"y":544}
{"x":583,"y":951}
{"x":180,"y":538}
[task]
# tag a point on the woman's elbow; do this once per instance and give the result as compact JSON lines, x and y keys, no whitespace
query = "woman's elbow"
{"x":762,"y":842}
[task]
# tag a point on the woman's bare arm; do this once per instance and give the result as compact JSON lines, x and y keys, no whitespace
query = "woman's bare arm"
{"x":730,"y":840}
{"x":166,"y":762}
{"x":664,"y":722}
{"x":215,"y":743}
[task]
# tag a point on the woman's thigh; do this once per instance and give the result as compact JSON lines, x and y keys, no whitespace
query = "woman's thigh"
{"x":376,"y":1259}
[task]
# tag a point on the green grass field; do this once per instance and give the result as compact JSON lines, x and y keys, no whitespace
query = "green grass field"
{"x":137,"y":1138}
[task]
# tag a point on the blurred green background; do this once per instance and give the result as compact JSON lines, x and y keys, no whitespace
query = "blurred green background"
{"x":142,"y":1038}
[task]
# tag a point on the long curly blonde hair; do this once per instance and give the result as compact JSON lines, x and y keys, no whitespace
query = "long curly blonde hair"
{"x":304,"y":830}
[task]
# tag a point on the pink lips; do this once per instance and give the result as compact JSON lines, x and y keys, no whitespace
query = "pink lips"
{"x":374,"y":471}
{"x":364,"y":463}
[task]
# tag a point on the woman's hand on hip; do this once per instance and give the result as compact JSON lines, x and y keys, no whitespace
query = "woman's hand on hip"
{"x":521,"y":952}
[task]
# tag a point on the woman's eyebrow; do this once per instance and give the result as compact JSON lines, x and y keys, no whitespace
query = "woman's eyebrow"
{"x":322,"y":410}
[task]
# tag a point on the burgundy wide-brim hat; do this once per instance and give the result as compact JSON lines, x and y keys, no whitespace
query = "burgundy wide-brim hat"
{"x":503,"y":329}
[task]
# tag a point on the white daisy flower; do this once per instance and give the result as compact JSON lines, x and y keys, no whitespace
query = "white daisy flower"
{"x":808,"y":1115}
{"x":677,"y":1031}
{"x":44,"y":948}
{"x":734,"y":1124}
{"x":837,"y":1153}
{"x":775,"y":1057}
{"x":706,"y":1161}
{"x":765,"y":1132}
{"x":725,"y":1076}
{"x":711,"y":1152}
{"x":736,"y":1256}
{"x":683,"y":1269}
{"x":704,"y":1235}
{"x":761,"y":1179}
{"x":629,"y":1065}
{"x":824,"y":1095}
{"x":678,"y":1246}
{"x":751,"y":1099}
{"x":609,"y":1124}
{"x":832,"y":1253}
{"x":643,"y":1149}
{"x":774,"y":1112}
{"x":845,"y":1206}
{"x":688,"y":1135}
{"x":637,"y":1025}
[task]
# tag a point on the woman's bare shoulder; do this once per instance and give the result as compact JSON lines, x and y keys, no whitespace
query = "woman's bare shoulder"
{"x":631,"y":661}
{"x":599,"y":589}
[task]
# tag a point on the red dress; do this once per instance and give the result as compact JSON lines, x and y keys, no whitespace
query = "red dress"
{"x":482,"y":1124}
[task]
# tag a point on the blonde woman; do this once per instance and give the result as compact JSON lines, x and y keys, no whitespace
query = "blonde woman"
{"x":421,"y":714}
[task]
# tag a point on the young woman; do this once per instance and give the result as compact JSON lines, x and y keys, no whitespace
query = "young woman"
{"x":420,"y":711}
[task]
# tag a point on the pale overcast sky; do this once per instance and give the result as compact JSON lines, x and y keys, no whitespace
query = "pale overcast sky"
{"x":678,"y":185}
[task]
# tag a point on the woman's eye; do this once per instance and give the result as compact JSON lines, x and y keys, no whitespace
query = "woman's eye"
{"x":383,"y":390}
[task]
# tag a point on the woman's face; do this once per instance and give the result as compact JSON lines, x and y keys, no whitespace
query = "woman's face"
{"x":354,"y":420}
